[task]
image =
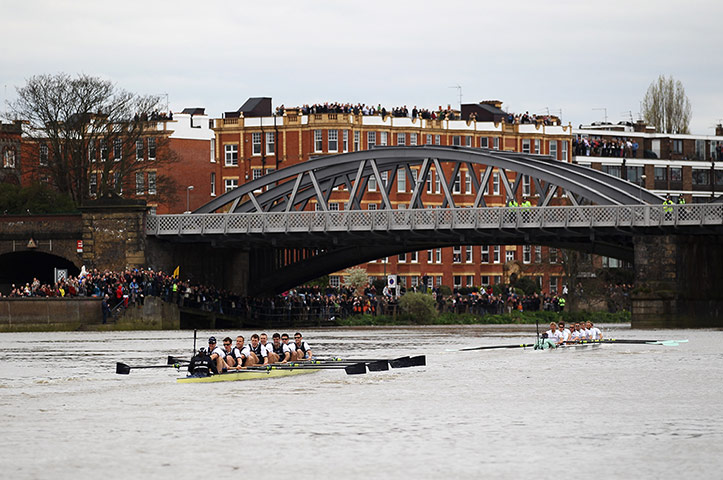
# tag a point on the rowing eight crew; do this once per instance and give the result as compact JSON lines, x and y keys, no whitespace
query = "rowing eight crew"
{"x":241,"y":356}
{"x":580,"y":332}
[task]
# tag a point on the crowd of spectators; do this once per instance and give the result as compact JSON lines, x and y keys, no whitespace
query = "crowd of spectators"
{"x":584,"y":145}
{"x":527,"y":118}
{"x":130,"y":288}
{"x":370,"y":110}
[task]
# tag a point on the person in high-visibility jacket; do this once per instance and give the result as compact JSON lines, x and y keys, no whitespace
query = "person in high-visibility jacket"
{"x":668,"y":206}
{"x":561,"y":303}
{"x":681,"y":200}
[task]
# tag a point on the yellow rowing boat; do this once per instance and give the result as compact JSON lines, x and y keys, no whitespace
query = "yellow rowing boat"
{"x":248,"y":375}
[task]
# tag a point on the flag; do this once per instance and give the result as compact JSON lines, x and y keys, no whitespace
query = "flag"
{"x":176,"y":271}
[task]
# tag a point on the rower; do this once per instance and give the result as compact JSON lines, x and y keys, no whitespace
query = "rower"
{"x":595,"y":333}
{"x":201,"y":365}
{"x":279,"y":352}
{"x":257,"y":354}
{"x":218,"y":354}
{"x":240,"y":353}
{"x":263,"y":340}
{"x":302,"y":350}
{"x":575,"y":332}
{"x":292,"y":346}
{"x":229,"y":357}
{"x":565,"y":331}
{"x":554,"y":334}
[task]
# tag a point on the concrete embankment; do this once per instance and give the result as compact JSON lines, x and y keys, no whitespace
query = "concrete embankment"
{"x":70,"y":314}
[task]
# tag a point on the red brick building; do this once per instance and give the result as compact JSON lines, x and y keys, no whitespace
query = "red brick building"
{"x":251,"y":142}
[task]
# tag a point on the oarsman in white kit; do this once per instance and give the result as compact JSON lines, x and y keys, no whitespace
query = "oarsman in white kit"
{"x":565,"y":332}
{"x":218,"y":355}
{"x":595,"y":333}
{"x":554,"y":334}
{"x":291,"y":346}
{"x":584,"y":333}
{"x":240,"y":353}
{"x":279,"y":352}
{"x":257,"y":354}
{"x":302,"y":350}
{"x":229,"y":359}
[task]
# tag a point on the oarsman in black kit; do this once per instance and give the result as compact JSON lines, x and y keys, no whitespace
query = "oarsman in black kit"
{"x":201,"y":365}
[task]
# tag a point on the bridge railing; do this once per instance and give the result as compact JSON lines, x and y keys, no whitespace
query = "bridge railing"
{"x":619,"y":216}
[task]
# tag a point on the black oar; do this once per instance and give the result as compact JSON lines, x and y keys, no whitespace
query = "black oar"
{"x":354,"y":369}
{"x":123,"y":369}
{"x":401,"y":362}
{"x":490,"y":347}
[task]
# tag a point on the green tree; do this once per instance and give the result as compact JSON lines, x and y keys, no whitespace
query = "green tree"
{"x":89,"y":127}
{"x":357,"y":278}
{"x":419,"y":306}
{"x":36,"y":198}
{"x":666,"y":106}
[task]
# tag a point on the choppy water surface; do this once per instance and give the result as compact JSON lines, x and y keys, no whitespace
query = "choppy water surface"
{"x":615,"y":411}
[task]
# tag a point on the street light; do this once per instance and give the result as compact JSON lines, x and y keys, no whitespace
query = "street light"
{"x":642,"y":182}
{"x":188,"y":198}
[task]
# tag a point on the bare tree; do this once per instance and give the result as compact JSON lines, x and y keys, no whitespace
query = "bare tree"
{"x":666,"y":106}
{"x":92,"y":138}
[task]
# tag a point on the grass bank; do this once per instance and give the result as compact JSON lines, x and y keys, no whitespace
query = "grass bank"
{"x":469,"y":319}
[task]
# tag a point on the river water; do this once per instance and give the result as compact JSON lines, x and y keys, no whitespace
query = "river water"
{"x":617,"y":411}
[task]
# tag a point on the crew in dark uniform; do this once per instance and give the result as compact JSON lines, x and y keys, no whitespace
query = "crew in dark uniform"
{"x":201,"y":365}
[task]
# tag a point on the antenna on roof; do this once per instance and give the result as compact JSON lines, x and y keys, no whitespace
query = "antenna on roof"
{"x":630,"y":115}
{"x":459,"y":89}
{"x":605,"y":110}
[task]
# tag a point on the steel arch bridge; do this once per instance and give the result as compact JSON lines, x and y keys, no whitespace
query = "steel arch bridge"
{"x":285,"y":257}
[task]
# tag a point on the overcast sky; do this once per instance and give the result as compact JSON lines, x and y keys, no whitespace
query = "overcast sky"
{"x":575,"y":56}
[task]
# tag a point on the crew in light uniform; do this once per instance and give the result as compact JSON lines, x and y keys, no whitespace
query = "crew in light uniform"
{"x":240,"y":353}
{"x":584,"y":334}
{"x":279,"y":353}
{"x":554,"y":334}
{"x":257,"y":354}
{"x":565,"y":332}
{"x":595,"y":333}
{"x":218,"y":355}
{"x":229,"y":358}
{"x":302,"y":350}
{"x":264,"y":341}
{"x":292,"y":346}
{"x":575,"y":332}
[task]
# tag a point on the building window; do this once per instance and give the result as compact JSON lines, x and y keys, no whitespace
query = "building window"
{"x":383,"y":138}
{"x":401,"y":139}
{"x":468,"y":141}
{"x":91,"y":151}
{"x":538,"y":254}
{"x":213,"y":151}
{"x":414,"y":257}
{"x":140,"y":183}
{"x":553,"y":285}
{"x":700,"y":177}
{"x":333,"y":139}
{"x":430,"y":256}
{"x":333,"y":206}
{"x":510,"y":256}
{"x":213,"y":184}
{"x":151,"y":183}
{"x":456,"y":186}
{"x":537,"y":146}
{"x":457,"y":254}
{"x":677,"y":146}
{"x":468,"y":253}
{"x":676,"y":174}
{"x":496,"y":254}
{"x":385,"y":179}
{"x":437,"y":139}
{"x":104,"y":150}
{"x":526,"y":185}
{"x":564,"y":151}
{"x":151,"y":149}
{"x":438,"y":281}
{"x":485,"y":254}
{"x":93,"y":183}
{"x":271,"y":143}
{"x":402,"y":258}
{"x":43,"y":155}
{"x":140,"y":148}
{"x":256,"y":173}
{"x":318,"y":141}
{"x":356,"y":141}
{"x":495,"y":183}
{"x":553,"y":149}
{"x":117,"y":149}
{"x":231,"y":155}
{"x":230,"y":184}
{"x":457,"y":281}
{"x":118,"y":182}
{"x":496,"y":143}
{"x":256,"y":143}
{"x":553,"y":255}
{"x":468,"y":183}
{"x":526,"y":254}
{"x":412,"y":139}
{"x":371,"y":140}
{"x":430,"y":181}
{"x":456,"y":140}
{"x":438,"y":255}
{"x":401,"y":181}
{"x":345,"y":140}
{"x":483,"y":142}
{"x":429,"y":139}
{"x":371,"y":206}
{"x":484,"y":280}
{"x":525,"y":145}
{"x":470,"y":281}
{"x":661,"y":174}
{"x":372,"y":183}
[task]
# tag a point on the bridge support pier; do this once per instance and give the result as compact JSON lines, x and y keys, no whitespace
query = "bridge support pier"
{"x":679,"y":281}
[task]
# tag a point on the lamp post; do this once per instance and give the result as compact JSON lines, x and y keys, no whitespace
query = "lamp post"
{"x":642,"y":182}
{"x":188,"y":198}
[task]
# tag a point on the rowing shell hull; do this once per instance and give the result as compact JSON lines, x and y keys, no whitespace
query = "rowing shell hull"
{"x":247,"y":375}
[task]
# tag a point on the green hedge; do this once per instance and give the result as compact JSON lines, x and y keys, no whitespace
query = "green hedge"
{"x":543,"y":318}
